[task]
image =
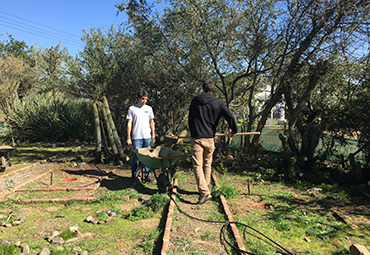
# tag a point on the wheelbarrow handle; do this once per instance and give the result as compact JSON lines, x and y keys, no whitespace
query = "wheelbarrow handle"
{"x":218,"y":134}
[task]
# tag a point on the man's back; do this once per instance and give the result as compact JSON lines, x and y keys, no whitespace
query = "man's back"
{"x":205,"y":113}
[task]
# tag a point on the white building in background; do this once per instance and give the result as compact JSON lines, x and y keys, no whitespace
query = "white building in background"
{"x":277,"y":112}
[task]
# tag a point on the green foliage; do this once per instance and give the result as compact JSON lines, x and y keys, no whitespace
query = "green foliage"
{"x":226,"y":189}
{"x":321,"y":231}
{"x":208,"y":236}
{"x":67,"y":234}
{"x":47,"y":118}
{"x":63,"y":252}
{"x":342,"y":251}
{"x":139,"y":213}
{"x":148,"y":245}
{"x":101,"y":216}
{"x":158,"y":201}
{"x":333,"y":189}
{"x":196,"y":251}
{"x":261,"y":247}
{"x":10,"y":250}
{"x":116,"y":195}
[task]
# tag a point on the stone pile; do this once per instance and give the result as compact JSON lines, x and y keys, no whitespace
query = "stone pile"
{"x":111,"y":216}
{"x":4,"y":220}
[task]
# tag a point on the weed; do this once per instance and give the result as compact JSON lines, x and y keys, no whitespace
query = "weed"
{"x":182,"y":241}
{"x":149,"y":241}
{"x":102,"y":216}
{"x":67,"y":234}
{"x":73,"y":202}
{"x":158,"y":201}
{"x":261,"y":247}
{"x":9,"y":184}
{"x":208,"y":236}
{"x":182,"y":179}
{"x":223,"y":169}
{"x":196,"y":251}
{"x":63,"y":252}
{"x":7,"y":204}
{"x":321,"y":231}
{"x":342,"y":251}
{"x":282,"y":224}
{"x":227,"y":190}
{"x":116,"y":195}
{"x":10,"y":250}
{"x":267,"y":173}
{"x":139,"y":213}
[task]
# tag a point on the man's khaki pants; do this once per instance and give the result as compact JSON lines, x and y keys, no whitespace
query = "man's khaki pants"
{"x":201,"y":154}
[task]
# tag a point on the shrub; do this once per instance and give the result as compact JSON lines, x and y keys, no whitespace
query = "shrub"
{"x":45,"y":118}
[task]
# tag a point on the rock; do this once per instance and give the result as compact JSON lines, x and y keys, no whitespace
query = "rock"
{"x":317,"y":190}
{"x":113,"y":214}
{"x":145,"y":199}
{"x":358,"y":249}
{"x":21,"y":218}
{"x":8,"y":225}
{"x":73,"y":229}
{"x":17,"y":243}
{"x":83,"y":253}
{"x":5,"y":243}
{"x":16,"y":223}
{"x":95,"y":221}
{"x":54,"y":234}
{"x":25,"y":248}
{"x":45,"y":251}
{"x":109,"y":219}
{"x":2,"y":223}
{"x":89,"y":219}
{"x":2,"y":216}
{"x":77,"y":249}
{"x":57,"y":240}
{"x":101,"y":222}
{"x":71,"y":240}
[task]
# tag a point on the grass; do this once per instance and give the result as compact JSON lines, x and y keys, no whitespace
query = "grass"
{"x":293,"y":214}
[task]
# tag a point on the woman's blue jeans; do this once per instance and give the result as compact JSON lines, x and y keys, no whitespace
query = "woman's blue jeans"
{"x":138,"y":144}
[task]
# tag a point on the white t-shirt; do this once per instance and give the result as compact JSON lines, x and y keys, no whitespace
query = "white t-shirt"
{"x":140,"y":117}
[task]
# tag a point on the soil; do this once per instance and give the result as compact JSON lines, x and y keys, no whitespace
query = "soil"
{"x":194,"y":228}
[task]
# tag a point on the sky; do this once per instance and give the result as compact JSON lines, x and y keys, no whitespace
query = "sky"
{"x":45,"y":23}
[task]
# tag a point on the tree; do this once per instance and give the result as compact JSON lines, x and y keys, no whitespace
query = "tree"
{"x":13,"y":70}
{"x":246,"y":44}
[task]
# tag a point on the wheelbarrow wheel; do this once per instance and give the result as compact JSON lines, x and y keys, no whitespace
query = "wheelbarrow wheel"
{"x":163,"y":183}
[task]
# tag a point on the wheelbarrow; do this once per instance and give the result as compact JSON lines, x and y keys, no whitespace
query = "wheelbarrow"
{"x":6,"y":152}
{"x":162,"y":158}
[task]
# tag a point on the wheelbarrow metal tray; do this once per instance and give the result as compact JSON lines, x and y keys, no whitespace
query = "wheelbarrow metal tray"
{"x":158,"y":157}
{"x":4,"y":150}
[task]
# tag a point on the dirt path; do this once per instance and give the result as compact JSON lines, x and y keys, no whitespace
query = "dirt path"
{"x":196,"y":228}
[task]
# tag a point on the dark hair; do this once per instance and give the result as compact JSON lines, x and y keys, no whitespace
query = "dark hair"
{"x":142,"y":93}
{"x":208,"y":86}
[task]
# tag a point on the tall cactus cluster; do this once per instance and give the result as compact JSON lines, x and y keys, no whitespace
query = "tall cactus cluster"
{"x":108,"y":142}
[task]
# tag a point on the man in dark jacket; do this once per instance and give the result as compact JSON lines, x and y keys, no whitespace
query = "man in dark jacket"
{"x":204,"y":115}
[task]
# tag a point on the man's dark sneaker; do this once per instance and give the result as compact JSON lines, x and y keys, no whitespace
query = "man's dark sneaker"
{"x":149,"y":179}
{"x":203,"y":199}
